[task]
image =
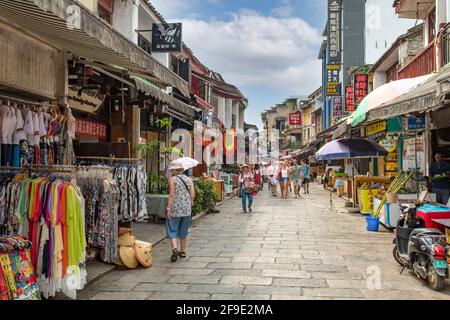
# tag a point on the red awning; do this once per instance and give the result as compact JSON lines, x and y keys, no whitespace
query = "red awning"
{"x":202,"y":103}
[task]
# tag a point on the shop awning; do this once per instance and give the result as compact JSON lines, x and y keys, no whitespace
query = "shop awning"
{"x":203,"y":104}
{"x":421,"y":99}
{"x":222,"y":89}
{"x":71,"y":26}
{"x":146,"y":86}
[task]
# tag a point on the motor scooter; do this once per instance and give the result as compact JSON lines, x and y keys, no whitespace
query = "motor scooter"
{"x":420,"y":249}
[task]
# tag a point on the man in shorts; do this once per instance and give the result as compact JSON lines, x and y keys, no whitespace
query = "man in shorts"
{"x":305,"y":173}
{"x":296,"y":177}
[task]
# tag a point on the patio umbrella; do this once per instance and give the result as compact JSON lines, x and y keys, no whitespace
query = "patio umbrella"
{"x":350,"y":148}
{"x":383,"y":94}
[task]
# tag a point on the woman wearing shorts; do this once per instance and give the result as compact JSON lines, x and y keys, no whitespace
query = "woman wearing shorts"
{"x":284,"y":179}
{"x":181,"y":198}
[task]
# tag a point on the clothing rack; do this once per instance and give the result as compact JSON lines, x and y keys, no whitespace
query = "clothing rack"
{"x":111,"y":159}
{"x":45,"y":169}
{"x":21,"y":100}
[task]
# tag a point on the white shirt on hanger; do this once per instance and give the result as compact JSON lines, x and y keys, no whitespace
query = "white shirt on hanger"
{"x":28,"y":127}
{"x":19,"y":134}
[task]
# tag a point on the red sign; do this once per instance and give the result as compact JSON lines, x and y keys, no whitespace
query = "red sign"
{"x":295,"y":118}
{"x":361,"y":87}
{"x":349,"y":99}
{"x":337,"y":106}
{"x":90,"y":128}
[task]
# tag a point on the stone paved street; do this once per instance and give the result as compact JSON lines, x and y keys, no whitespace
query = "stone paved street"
{"x":285,"y":249}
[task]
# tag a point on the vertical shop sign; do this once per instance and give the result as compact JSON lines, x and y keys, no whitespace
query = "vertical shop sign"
{"x":349,"y":99}
{"x":337,"y":107}
{"x":333,"y":86}
{"x":334,"y":30}
{"x":361,"y":87}
{"x":295,"y":119}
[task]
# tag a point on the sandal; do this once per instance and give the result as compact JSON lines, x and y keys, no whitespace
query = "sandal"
{"x":174,"y":255}
{"x":182,"y":254}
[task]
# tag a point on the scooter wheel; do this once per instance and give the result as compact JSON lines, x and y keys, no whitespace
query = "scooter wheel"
{"x":435,"y":281}
{"x":397,"y":257}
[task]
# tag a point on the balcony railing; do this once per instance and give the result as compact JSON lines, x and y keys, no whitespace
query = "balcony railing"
{"x":422,"y":64}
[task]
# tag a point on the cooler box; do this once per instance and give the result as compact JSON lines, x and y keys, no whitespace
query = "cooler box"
{"x":428,"y":212}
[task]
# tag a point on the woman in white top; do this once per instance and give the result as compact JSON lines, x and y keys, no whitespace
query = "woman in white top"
{"x":284,"y":175}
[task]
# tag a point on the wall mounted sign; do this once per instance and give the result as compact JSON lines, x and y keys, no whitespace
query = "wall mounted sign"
{"x":361,"y":87}
{"x":334,"y":30}
{"x":337,"y":106}
{"x":90,"y":128}
{"x":295,"y":118}
{"x":333,"y":85}
{"x":417,"y":123}
{"x":349,"y":99}
{"x":166,"y":37}
{"x":375,"y":128}
{"x":85,"y":100}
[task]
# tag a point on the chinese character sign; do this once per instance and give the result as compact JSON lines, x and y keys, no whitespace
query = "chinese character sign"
{"x":361,"y":87}
{"x":295,"y":118}
{"x":337,"y":106}
{"x":334,"y":30}
{"x":166,"y":37}
{"x":333,"y":85}
{"x":349,"y":99}
{"x":90,"y":128}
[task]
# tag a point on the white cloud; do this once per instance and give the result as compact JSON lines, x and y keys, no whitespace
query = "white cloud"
{"x":170,"y":8}
{"x":256,"y":50}
{"x":285,"y":10}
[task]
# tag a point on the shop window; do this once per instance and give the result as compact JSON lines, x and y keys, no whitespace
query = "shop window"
{"x":432,"y":25}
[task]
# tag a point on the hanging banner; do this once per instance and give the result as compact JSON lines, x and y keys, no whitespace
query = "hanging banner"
{"x":166,"y":37}
{"x":295,"y":119}
{"x":361,"y":87}
{"x":334,"y":30}
{"x":337,"y":106}
{"x":349,"y":99}
{"x":333,"y":85}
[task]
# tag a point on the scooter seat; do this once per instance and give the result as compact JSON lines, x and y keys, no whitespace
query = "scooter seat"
{"x":426,"y":231}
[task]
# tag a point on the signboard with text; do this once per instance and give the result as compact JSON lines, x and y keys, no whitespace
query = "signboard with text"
{"x":337,"y":107}
{"x":361,"y":87}
{"x":90,"y":128}
{"x":375,"y":128}
{"x":417,"y":123}
{"x":166,"y":37}
{"x":349,"y":99}
{"x":295,"y":118}
{"x":333,"y":85}
{"x":334,"y":30}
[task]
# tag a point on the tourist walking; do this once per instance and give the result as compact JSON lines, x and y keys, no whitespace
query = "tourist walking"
{"x":247,"y":186}
{"x":305,"y":173}
{"x":181,"y":199}
{"x":440,"y":182}
{"x":258,"y":178}
{"x":284,"y":179}
{"x":296,"y":176}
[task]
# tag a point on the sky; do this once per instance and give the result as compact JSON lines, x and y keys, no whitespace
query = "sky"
{"x":267,"y":48}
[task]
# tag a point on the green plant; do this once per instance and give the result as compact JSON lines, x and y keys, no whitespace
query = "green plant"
{"x":205,"y":196}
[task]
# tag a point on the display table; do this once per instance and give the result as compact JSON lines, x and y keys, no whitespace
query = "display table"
{"x":390,"y":213}
{"x":157,"y":205}
{"x":429,"y":212}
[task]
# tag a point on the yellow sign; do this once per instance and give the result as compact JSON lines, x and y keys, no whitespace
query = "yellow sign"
{"x":375,"y":128}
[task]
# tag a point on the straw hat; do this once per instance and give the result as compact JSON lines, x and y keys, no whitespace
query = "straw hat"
{"x":143,"y":252}
{"x":176,"y":165}
{"x":128,"y":257}
{"x":124,"y":230}
{"x":127,"y":239}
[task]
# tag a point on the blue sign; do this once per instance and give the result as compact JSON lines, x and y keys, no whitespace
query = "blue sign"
{"x":416,"y":123}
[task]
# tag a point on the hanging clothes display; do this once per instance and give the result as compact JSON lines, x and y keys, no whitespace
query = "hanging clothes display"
{"x":101,"y":194}
{"x":17,"y":276}
{"x":48,"y":210}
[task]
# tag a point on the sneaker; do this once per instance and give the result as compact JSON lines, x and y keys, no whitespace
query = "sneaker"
{"x":250,"y":209}
{"x":245,"y":211}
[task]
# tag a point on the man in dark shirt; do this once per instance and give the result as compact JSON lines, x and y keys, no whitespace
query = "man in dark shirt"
{"x":440,"y":173}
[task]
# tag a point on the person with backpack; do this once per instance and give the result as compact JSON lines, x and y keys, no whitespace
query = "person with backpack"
{"x":305,"y":172}
{"x":247,"y":186}
{"x":179,"y":207}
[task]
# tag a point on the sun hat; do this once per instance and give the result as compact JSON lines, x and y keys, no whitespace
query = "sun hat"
{"x":244,"y":166}
{"x":143,"y":252}
{"x":176,"y":165}
{"x":127,"y":239}
{"x":128,"y":257}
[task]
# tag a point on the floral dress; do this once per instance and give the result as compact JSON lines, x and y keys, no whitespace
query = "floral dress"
{"x":182,"y":205}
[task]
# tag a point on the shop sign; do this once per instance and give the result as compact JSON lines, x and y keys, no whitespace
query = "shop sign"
{"x":333,"y":85}
{"x":417,"y":123}
{"x":90,"y":128}
{"x":295,"y":118}
{"x":334,"y":30}
{"x":349,"y":99}
{"x":87,"y":100}
{"x":337,"y":106}
{"x":361,"y":87}
{"x":166,"y":37}
{"x":375,"y":128}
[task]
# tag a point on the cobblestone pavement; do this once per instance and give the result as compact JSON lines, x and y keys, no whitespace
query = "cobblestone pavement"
{"x":286,"y":249}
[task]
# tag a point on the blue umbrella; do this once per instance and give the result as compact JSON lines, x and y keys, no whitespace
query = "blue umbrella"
{"x":348,"y":148}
